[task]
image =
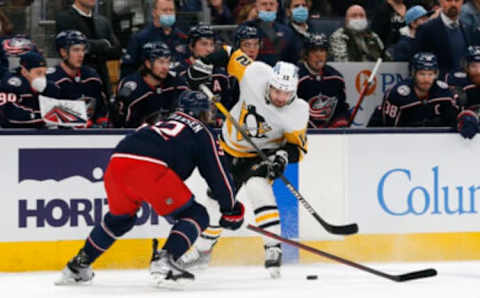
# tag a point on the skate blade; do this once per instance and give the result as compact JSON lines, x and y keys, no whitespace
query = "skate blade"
{"x":66,"y":281}
{"x":274,"y":272}
{"x":177,"y":285}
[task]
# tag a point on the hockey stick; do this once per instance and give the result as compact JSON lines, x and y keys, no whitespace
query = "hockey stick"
{"x":398,"y":278}
{"x":364,"y":91}
{"x":339,"y":230}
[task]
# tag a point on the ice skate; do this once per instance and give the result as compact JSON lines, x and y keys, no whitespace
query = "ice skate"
{"x":166,"y":273}
{"x":77,"y":271}
{"x":195,"y":259}
{"x":273,"y":260}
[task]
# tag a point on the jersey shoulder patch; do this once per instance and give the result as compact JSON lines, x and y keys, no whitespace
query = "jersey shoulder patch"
{"x":442,"y":84}
{"x":14,"y":81}
{"x":51,"y":70}
{"x":460,"y":75}
{"x":130,"y":85}
{"x":404,"y":90}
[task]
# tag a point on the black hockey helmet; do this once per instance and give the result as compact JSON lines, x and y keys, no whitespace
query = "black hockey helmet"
{"x":193,"y":103}
{"x":68,"y":38}
{"x":423,"y":61}
{"x":473,"y":54}
{"x":316,"y":42}
{"x":197,"y":32}
{"x":245,"y":32}
{"x":17,"y":46}
{"x":154,"y":50}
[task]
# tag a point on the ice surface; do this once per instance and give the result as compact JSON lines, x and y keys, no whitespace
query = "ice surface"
{"x":455,"y":279}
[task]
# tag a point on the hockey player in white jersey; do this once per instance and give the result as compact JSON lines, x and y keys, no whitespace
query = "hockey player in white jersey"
{"x":276,"y":120}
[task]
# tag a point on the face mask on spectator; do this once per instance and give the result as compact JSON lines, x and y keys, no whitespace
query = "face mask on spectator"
{"x":267,"y":16}
{"x":358,"y":24}
{"x":39,"y":84}
{"x":300,"y":14}
{"x":167,"y":20}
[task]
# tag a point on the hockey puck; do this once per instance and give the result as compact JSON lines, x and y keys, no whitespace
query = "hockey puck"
{"x":312,"y":277}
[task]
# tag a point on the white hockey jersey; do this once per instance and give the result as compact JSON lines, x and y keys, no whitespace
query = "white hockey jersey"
{"x":270,"y":127}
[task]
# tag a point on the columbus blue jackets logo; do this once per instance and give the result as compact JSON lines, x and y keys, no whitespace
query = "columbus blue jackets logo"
{"x":61,"y":163}
{"x":322,"y":107}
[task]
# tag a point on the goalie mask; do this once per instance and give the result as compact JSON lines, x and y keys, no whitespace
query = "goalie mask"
{"x":282,"y":87}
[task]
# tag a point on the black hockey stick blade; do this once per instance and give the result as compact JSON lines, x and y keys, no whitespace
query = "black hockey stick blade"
{"x":342,"y":230}
{"x":416,"y":275}
{"x":397,"y":278}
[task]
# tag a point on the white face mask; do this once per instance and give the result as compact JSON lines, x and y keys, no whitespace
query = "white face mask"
{"x":39,"y":84}
{"x":358,"y":24}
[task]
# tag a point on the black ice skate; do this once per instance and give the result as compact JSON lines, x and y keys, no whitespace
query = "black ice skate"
{"x":273,"y":260}
{"x":77,"y":271}
{"x":166,"y":273}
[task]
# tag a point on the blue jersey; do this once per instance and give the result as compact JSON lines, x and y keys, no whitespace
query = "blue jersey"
{"x":86,"y":85}
{"x":176,"y":41}
{"x":465,"y":91}
{"x":325,"y":94}
{"x":402,"y":107}
{"x":139,"y":102}
{"x":221,"y":84}
{"x":184,"y":143}
{"x":19,"y":103}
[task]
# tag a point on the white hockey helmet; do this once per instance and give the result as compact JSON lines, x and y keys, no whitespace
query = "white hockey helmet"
{"x":284,"y":78}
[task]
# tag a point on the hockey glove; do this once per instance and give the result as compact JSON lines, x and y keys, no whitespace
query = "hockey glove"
{"x":199,"y":73}
{"x":467,"y":124}
{"x":233,"y":219}
{"x":278,"y":164}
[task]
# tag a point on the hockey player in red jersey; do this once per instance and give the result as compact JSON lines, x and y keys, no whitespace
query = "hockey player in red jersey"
{"x":151,"y":166}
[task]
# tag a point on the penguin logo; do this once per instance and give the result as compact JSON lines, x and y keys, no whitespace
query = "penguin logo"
{"x":254,"y":123}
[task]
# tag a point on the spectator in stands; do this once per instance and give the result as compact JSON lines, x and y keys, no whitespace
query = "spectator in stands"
{"x":247,"y":39}
{"x":246,"y":13}
{"x":19,"y":104}
{"x":355,"y":41}
{"x":221,"y":14}
{"x":150,"y":94}
{"x":322,"y":86}
{"x":6,"y":27}
{"x":277,"y":38}
{"x":388,"y":19}
{"x":161,"y":29}
{"x":470,"y":15}
{"x":418,"y":101}
{"x":403,"y":50}
{"x":103,"y":45}
{"x":340,"y":7}
{"x":446,"y":36}
{"x":298,"y":14}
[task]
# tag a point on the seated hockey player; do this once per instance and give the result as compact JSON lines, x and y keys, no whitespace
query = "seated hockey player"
{"x":201,"y":43}
{"x":19,"y":92}
{"x":77,"y":81}
{"x":322,"y":86}
{"x":466,"y":88}
{"x":277,"y":124}
{"x":151,"y":166}
{"x":247,"y":39}
{"x":151,"y":93}
{"x":419,"y":101}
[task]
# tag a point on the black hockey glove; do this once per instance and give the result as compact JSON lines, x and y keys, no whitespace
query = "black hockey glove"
{"x":278,"y":164}
{"x":467,"y":124}
{"x":233,"y":219}
{"x":199,"y":73}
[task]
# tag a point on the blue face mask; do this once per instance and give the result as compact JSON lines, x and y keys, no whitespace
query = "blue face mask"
{"x":267,"y":16}
{"x":167,"y":20}
{"x":300,"y":14}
